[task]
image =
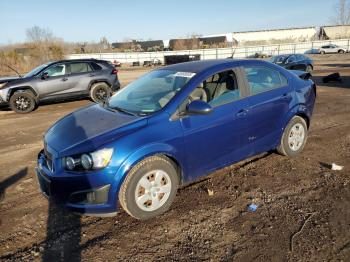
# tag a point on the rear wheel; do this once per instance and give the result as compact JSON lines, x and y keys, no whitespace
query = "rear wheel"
{"x":100,"y":92}
{"x":341,"y":51}
{"x":149,"y":188}
{"x":22,"y":102}
{"x":308,"y":68}
{"x":294,"y":137}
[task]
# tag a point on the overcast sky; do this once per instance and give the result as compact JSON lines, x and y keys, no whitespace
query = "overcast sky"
{"x":89,"y":20}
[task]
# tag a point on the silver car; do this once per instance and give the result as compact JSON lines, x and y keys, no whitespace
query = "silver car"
{"x":331,"y":49}
{"x":63,"y":79}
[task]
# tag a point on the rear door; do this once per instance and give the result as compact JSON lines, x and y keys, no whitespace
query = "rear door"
{"x":213,"y":140}
{"x":80,"y":75}
{"x":333,"y":49}
{"x":270,"y":97}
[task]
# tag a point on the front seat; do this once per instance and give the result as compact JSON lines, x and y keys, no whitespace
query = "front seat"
{"x":228,"y":82}
{"x":199,"y":94}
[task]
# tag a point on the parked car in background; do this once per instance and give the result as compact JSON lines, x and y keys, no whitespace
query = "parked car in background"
{"x":293,"y":62}
{"x":60,"y":80}
{"x":331,"y":49}
{"x":170,"y":127}
{"x":116,"y":63}
{"x":153,"y":62}
{"x":258,"y":55}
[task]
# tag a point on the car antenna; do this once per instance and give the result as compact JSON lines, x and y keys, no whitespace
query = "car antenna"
{"x":13,"y":70}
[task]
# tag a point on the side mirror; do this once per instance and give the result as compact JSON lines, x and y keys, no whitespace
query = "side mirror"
{"x":199,"y":107}
{"x":44,"y":76}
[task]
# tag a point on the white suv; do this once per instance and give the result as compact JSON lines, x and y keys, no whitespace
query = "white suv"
{"x":330,"y":49}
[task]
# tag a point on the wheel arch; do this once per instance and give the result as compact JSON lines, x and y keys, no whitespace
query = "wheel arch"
{"x":305,"y":117}
{"x":22,"y":88}
{"x":95,"y":81}
{"x":298,"y":110}
{"x":139,"y":155}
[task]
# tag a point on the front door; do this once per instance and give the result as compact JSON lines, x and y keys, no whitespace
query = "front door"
{"x":55,"y":82}
{"x":213,"y":140}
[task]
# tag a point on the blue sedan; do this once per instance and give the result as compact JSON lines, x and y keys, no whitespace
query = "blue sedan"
{"x":170,"y":127}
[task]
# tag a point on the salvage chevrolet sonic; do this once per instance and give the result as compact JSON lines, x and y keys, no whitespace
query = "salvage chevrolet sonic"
{"x":170,"y":127}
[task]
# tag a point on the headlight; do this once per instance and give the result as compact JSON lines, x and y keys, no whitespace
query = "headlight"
{"x":101,"y":158}
{"x":95,"y":160}
{"x":2,"y":84}
{"x":70,"y":163}
{"x":86,"y":161}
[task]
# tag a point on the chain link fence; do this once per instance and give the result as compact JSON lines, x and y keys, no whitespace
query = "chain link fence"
{"x":218,"y":53}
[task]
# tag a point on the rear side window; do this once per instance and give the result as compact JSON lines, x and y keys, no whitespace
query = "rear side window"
{"x":261,"y":79}
{"x":80,"y":68}
{"x":96,"y":67}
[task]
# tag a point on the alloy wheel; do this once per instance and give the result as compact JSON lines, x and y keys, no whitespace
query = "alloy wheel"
{"x":22,"y":103}
{"x":101,"y":94}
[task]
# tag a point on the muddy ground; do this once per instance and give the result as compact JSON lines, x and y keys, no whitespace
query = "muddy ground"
{"x":303,"y":214}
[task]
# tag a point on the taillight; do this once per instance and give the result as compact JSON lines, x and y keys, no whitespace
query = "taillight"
{"x":114,"y":72}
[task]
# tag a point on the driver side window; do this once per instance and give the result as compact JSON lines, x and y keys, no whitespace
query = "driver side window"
{"x":56,"y":70}
{"x":218,"y":89}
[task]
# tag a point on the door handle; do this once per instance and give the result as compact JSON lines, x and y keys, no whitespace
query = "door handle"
{"x":242,"y":113}
{"x":91,"y":75}
{"x":64,"y":79}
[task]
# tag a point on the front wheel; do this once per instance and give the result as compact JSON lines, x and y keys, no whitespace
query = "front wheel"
{"x":294,"y":137}
{"x":149,"y":188}
{"x":100,"y":92}
{"x":22,"y":102}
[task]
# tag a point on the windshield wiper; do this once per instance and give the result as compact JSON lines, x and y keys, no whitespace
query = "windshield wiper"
{"x":115,"y":108}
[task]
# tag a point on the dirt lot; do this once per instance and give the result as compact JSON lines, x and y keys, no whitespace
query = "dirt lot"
{"x":303,"y":214}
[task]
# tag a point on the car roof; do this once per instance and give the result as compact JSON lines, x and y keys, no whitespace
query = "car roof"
{"x":79,"y":60}
{"x":201,"y":65}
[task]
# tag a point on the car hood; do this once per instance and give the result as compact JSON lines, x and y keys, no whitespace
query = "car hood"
{"x":13,"y":80}
{"x":8,"y":79}
{"x":88,"y":129}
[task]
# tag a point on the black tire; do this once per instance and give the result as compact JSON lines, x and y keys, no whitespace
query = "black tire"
{"x":100,"y":92}
{"x":341,"y":51}
{"x":22,"y":102}
{"x":143,"y":170}
{"x":309,"y":68}
{"x":322,"y":52}
{"x":286,"y":146}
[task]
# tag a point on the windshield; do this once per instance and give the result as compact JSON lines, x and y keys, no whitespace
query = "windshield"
{"x":36,"y":70}
{"x":149,"y":93}
{"x":279,"y":59}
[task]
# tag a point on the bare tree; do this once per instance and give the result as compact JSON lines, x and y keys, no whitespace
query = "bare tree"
{"x":43,"y":44}
{"x":37,"y":34}
{"x":104,"y":44}
{"x":342,"y":13}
